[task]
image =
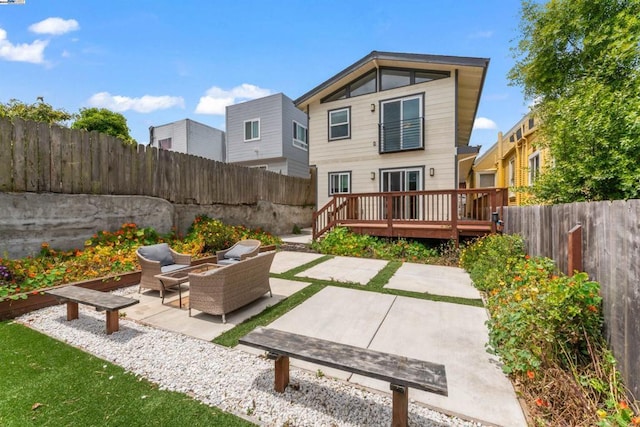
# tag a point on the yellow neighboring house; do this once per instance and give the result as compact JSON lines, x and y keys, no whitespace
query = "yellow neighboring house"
{"x":514,"y":161}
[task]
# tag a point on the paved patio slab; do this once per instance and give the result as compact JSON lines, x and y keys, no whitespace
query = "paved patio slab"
{"x":450,"y":334}
{"x":433,"y":279}
{"x":455,"y":336}
{"x":205,"y":326}
{"x":346,"y":269}
{"x":286,"y":260}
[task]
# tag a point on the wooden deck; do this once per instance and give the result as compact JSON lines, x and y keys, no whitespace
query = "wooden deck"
{"x":446,"y":214}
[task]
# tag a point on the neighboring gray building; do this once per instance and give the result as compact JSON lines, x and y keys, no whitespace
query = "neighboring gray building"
{"x":269,"y":133}
{"x":190,"y":137}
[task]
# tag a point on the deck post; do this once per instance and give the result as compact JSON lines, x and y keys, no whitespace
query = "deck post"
{"x":389,"y":214}
{"x":72,"y":310}
{"x":454,"y":217}
{"x":494,"y":208}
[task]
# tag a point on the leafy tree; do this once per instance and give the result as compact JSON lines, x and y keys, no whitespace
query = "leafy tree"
{"x":104,"y":121}
{"x":580,"y":61}
{"x":39,"y":111}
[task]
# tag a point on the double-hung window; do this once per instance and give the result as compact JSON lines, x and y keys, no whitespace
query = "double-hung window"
{"x":534,"y":167}
{"x":300,"y":136}
{"x":340,"y":123}
{"x":251,"y":130}
{"x":402,"y":122}
{"x":339,"y":183}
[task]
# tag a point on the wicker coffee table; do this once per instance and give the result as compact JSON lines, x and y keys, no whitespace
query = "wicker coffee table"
{"x":178,"y":277}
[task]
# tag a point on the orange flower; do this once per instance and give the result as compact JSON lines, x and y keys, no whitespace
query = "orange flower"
{"x":517,"y":278}
{"x":531,"y":375}
{"x":592,"y":308}
{"x":541,"y":402}
{"x":527,"y":257}
{"x":635,"y":421}
{"x":623,"y":405}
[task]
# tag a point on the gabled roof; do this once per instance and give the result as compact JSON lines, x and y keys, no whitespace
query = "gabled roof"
{"x":471,"y":75}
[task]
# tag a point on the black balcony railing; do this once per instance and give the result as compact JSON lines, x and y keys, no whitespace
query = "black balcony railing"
{"x":401,"y":135}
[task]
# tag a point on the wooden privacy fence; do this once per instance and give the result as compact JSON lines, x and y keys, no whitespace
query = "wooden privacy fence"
{"x":610,"y":254}
{"x":38,"y":157}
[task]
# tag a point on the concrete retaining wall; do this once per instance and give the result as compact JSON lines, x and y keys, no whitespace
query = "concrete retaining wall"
{"x":66,"y":221}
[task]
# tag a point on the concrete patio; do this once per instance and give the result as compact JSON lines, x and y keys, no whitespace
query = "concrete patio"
{"x":451,"y":334}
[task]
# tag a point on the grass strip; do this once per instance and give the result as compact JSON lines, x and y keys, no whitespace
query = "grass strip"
{"x":291,"y":274}
{"x":230,"y":338}
{"x":47,"y":382}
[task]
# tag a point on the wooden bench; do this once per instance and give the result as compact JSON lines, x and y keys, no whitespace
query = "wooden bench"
{"x":102,"y":301}
{"x":401,"y":372}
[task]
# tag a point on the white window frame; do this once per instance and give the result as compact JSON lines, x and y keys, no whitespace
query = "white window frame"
{"x":165,"y":143}
{"x":347,"y":122}
{"x":534,"y":167}
{"x":512,"y":176}
{"x":339,"y":175}
{"x":244,"y":130}
{"x":481,"y":174}
{"x":297,"y":142}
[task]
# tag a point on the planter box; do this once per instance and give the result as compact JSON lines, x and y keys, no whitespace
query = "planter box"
{"x":13,"y":308}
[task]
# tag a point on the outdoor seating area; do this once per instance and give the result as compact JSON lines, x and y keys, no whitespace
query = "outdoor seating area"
{"x":158,"y":259}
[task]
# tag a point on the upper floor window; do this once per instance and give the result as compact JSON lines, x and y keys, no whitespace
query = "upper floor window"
{"x":251,"y":130}
{"x":300,"y":136}
{"x":401,"y":126}
{"x":165,"y":144}
{"x":360,"y":86}
{"x":487,"y":180}
{"x":340,"y":123}
{"x":387,"y":78}
{"x":534,"y":167}
{"x":339,"y":183}
{"x":391,"y":78}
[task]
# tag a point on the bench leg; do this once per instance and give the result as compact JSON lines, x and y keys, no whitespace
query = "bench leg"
{"x":400,"y":410}
{"x":72,"y":310}
{"x":113,"y":321}
{"x":282,"y":373}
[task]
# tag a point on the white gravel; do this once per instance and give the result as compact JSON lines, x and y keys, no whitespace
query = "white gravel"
{"x":230,"y":379}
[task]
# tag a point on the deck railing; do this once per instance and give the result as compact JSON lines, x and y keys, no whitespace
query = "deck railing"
{"x":450,"y":209}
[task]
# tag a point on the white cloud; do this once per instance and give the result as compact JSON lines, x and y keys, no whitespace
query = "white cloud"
{"x":144,"y":104}
{"x":484,"y":123}
{"x":481,"y":35}
{"x":55,"y":26}
{"x":33,"y":52}
{"x":216,"y":99}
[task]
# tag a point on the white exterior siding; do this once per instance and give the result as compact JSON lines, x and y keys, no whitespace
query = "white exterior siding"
{"x":360,"y":155}
{"x":190,"y":137}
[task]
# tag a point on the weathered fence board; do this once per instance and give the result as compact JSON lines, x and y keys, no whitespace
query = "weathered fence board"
{"x":44,"y":157}
{"x":31,"y":156}
{"x":611,"y":249}
{"x":19,"y":164}
{"x":6,"y":156}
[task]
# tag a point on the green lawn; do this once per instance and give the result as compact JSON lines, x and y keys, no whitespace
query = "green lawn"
{"x":45,"y":382}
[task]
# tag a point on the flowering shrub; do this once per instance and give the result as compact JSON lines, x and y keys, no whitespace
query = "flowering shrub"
{"x":211,"y":235}
{"x":489,"y":257}
{"x":547,"y":329}
{"x":108,"y":253}
{"x":341,"y":241}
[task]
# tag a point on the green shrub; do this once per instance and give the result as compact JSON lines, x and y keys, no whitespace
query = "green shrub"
{"x":488,"y":258}
{"x":341,"y":241}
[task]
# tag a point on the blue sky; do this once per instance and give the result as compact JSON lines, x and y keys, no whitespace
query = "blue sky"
{"x":160,"y":61}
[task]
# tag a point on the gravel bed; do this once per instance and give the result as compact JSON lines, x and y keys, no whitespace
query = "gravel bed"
{"x":228,"y":378}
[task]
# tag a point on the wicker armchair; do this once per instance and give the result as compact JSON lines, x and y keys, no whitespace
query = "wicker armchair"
{"x":227,"y":288}
{"x":157,"y":259}
{"x":240,"y":251}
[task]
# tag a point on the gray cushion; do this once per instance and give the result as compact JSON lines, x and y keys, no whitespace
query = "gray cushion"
{"x":172,"y":267}
{"x":159,"y":252}
{"x":237,"y":251}
{"x":228,"y":261}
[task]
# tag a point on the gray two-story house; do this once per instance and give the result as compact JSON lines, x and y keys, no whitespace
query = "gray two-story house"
{"x":269,"y":133}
